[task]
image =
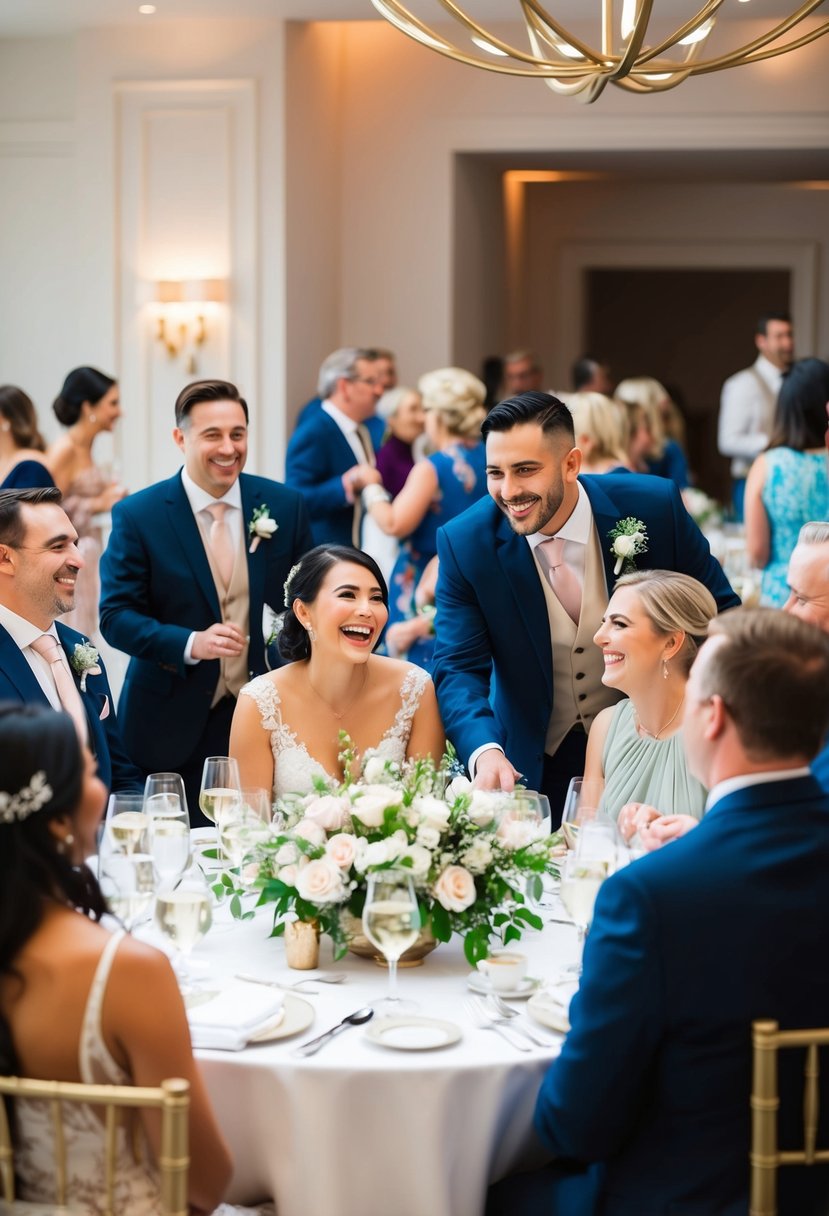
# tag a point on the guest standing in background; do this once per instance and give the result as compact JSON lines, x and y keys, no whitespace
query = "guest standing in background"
{"x":438,"y":488}
{"x":601,"y":432}
{"x":591,"y":375}
{"x":402,"y":411}
{"x":788,"y":484}
{"x":22,"y":463}
{"x":665,"y":458}
{"x":88,"y":404}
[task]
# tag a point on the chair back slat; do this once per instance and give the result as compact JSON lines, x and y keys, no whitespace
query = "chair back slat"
{"x":110,"y":1133}
{"x":6,"y":1155}
{"x":60,"y":1152}
{"x":811,"y":1103}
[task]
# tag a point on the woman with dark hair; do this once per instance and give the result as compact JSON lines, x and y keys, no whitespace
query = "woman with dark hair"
{"x":287,"y":724}
{"x":122,"y":1020}
{"x":22,"y":463}
{"x":788,"y":484}
{"x":88,"y":405}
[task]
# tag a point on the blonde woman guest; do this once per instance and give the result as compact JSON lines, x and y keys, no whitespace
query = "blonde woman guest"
{"x":22,"y":463}
{"x":601,"y":432}
{"x":648,"y":636}
{"x":438,"y":488}
{"x":87,"y":405}
{"x":665,"y":457}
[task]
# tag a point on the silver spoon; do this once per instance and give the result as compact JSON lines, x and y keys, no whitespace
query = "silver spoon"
{"x":354,"y":1019}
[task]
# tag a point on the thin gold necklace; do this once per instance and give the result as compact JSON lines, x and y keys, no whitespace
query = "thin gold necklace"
{"x":339,"y":716}
{"x":643,"y":730}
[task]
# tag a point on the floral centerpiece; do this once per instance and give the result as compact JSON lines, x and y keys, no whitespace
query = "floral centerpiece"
{"x":471,"y":854}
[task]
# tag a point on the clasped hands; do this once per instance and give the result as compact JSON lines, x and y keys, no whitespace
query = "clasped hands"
{"x":221,"y":641}
{"x":653,"y":828}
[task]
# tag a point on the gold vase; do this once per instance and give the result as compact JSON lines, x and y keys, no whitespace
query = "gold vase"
{"x":302,"y":944}
{"x":359,"y":944}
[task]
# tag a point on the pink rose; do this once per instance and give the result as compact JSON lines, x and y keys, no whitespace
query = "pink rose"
{"x":310,"y":831}
{"x":320,"y":882}
{"x":342,"y":849}
{"x":455,"y":889}
{"x":329,"y":812}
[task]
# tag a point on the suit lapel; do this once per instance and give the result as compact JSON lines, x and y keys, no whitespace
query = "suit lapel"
{"x":91,"y":701}
{"x":518,"y":572}
{"x":605,"y":516}
{"x":18,"y":672}
{"x":252,"y":497}
{"x":183,"y":525}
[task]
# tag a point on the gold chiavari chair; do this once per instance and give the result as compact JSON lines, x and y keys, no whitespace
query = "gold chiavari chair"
{"x":766,"y":1157}
{"x":172,"y":1098}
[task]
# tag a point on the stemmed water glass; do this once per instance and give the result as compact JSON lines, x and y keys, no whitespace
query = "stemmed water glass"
{"x":125,"y":827}
{"x":183,"y":913}
{"x":581,"y":878}
{"x":220,"y":788}
{"x":243,"y":825}
{"x":165,"y":803}
{"x":127,"y":882}
{"x":391,"y":922}
{"x":580,"y":806}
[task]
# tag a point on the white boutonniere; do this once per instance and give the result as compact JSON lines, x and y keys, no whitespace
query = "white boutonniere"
{"x":261,"y":526}
{"x":85,"y":662}
{"x":629,"y":538}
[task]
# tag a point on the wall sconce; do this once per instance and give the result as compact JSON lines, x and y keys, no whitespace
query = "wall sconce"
{"x":181,"y":321}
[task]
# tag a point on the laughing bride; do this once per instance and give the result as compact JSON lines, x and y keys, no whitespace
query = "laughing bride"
{"x":286,"y":726}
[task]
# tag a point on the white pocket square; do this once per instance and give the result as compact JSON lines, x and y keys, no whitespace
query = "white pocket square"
{"x":105,"y":711}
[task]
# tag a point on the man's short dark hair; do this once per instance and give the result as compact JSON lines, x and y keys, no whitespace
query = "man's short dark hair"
{"x":542,"y":409}
{"x":583,"y":371}
{"x":772,"y":673}
{"x":763,"y":321}
{"x":206,"y":390}
{"x":12,"y":529}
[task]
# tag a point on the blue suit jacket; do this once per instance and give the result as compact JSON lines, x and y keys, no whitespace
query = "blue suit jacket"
{"x":318,"y":455}
{"x":492,"y":615}
{"x":687,"y":947}
{"x":18,"y":683}
{"x":156,"y":589}
{"x":820,"y":767}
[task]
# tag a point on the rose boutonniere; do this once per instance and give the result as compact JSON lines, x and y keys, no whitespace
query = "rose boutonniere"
{"x":261,"y":526}
{"x":85,"y":662}
{"x":629,"y":538}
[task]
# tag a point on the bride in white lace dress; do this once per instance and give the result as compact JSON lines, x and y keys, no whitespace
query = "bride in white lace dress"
{"x":287,"y":724}
{"x":121,"y":1018}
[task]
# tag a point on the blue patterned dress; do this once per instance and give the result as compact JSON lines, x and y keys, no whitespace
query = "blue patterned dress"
{"x":461,"y":474}
{"x":796,"y":490}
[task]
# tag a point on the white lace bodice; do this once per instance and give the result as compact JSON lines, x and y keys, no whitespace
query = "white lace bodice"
{"x":294,"y":769}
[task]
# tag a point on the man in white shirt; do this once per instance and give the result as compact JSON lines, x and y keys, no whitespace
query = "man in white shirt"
{"x":749,"y":398}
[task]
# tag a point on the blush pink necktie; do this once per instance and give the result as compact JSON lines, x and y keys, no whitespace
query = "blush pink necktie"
{"x":221,"y":545}
{"x":562,"y":579}
{"x":50,"y":649}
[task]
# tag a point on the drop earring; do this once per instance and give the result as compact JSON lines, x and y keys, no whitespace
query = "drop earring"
{"x":312,"y":637}
{"x":66,"y":843}
{"x":665,"y":672}
{"x":92,"y":418}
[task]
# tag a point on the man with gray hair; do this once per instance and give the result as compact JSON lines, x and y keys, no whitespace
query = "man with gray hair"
{"x":809,"y":599}
{"x":522,"y":373}
{"x":330,"y":456}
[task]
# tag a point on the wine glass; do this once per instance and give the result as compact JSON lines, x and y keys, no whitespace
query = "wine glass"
{"x":581,"y":878}
{"x":219,"y":784}
{"x":391,"y":922}
{"x":580,"y":806}
{"x":126,"y":824}
{"x":243,"y":825}
{"x":127,"y":881}
{"x":183,"y":913}
{"x":169,"y":825}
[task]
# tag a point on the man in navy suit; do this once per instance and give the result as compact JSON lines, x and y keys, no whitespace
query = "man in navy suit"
{"x":190,"y":566}
{"x":691,"y":944}
{"x":808,"y":577}
{"x":503,"y":637}
{"x":385,"y":369}
{"x":39,"y":562}
{"x":330,"y":456}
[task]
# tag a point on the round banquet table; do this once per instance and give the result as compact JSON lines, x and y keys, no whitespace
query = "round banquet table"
{"x":361,"y":1129}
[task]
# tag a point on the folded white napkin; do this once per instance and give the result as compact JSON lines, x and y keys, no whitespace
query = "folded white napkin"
{"x":227,"y":1021}
{"x":558,"y":995}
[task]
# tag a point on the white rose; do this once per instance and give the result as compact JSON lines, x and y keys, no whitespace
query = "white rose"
{"x":286,"y":854}
{"x":374,"y":769}
{"x":320,"y":882}
{"x":517,"y":833}
{"x":310,"y":831}
{"x":370,"y":804}
{"x":427,"y":836}
{"x":482,"y":807}
{"x":421,"y":859}
{"x":624,"y":546}
{"x":342,"y":850}
{"x":458,"y":786}
{"x":433,"y":811}
{"x":328,"y":811}
{"x":455,"y":889}
{"x":288,"y":875}
{"x":478,"y":856}
{"x":380,"y":851}
{"x":265,"y":526}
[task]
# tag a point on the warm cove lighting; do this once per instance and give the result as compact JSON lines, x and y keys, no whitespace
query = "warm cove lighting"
{"x":620,"y":55}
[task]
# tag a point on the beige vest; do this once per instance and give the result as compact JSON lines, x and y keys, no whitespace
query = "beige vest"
{"x":578,"y":692}
{"x":235,"y":606}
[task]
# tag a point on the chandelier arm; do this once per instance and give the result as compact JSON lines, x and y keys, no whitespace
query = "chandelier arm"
{"x":514,"y":53}
{"x":538,"y":16}
{"x":709,"y":9}
{"x":637,"y":37}
{"x":404,"y":18}
{"x":739,"y":58}
{"x":634,"y":85}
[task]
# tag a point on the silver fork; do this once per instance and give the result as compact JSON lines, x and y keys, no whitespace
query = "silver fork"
{"x":311,"y":979}
{"x":506,"y":1011}
{"x":485,"y":1020}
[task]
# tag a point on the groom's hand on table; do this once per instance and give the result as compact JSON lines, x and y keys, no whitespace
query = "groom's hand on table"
{"x":494,"y":772}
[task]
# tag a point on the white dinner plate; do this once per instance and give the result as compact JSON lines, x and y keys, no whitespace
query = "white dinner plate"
{"x":548,"y":1012}
{"x":296,"y":1015}
{"x":527,"y":986}
{"x":413,"y":1034}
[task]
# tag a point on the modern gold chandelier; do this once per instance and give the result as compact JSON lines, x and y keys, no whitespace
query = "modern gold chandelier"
{"x":571,"y":66}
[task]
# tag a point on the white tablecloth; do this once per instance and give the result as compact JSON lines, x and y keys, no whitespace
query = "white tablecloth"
{"x":363,"y":1130}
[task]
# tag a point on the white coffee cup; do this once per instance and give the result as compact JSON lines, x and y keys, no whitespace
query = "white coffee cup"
{"x":504,"y":970}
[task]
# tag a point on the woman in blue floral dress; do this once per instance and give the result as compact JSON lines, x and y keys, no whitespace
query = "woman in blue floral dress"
{"x":788,"y":484}
{"x":438,"y":488}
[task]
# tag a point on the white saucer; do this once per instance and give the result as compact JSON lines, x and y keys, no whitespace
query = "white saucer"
{"x":526,"y":988}
{"x":413,"y":1034}
{"x":548,"y":1012}
{"x":295,"y":1016}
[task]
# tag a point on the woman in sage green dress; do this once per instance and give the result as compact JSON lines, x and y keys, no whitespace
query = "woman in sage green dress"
{"x":649,"y":635}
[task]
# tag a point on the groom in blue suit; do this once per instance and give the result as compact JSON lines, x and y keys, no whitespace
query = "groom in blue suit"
{"x":502,"y":637}
{"x":39,"y":561}
{"x":190,"y":566}
{"x":689,"y":945}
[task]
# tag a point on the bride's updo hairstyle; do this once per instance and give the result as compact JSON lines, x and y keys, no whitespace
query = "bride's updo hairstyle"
{"x":671,"y":602}
{"x":41,"y":778}
{"x":457,"y":397}
{"x":82,"y":384}
{"x":303,"y":583}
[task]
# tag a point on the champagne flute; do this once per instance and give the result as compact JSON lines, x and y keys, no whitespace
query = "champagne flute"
{"x":169,"y":835}
{"x":126,"y":823}
{"x":580,"y":806}
{"x":391,"y":922}
{"x":183,"y":914}
{"x":219,"y":784}
{"x":581,"y":878}
{"x":244,"y":825}
{"x":128,"y":884}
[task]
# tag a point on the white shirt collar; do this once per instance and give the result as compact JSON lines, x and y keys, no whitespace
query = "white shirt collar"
{"x":577,"y":527}
{"x":732,"y":784}
{"x":21,"y":631}
{"x":347,"y":425}
{"x":769,"y":373}
{"x":199,"y":499}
